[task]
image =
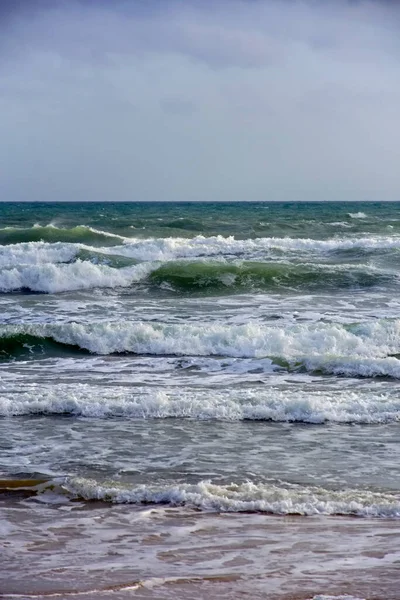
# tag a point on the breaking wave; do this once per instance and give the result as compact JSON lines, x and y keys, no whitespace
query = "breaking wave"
{"x":272,"y":498}
{"x":79,"y":275}
{"x":173,"y":248}
{"x":199,"y":264}
{"x":255,"y":404}
{"x":179,"y":247}
{"x":62,"y":269}
{"x":358,"y":215}
{"x":368,"y":349}
{"x":275,"y":498}
{"x":51,"y":233}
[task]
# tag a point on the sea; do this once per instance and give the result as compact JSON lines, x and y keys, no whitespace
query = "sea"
{"x":200,"y":400}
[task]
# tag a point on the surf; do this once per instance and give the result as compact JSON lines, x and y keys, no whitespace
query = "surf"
{"x":366,"y":349}
{"x":236,"y":497}
{"x":277,"y":404}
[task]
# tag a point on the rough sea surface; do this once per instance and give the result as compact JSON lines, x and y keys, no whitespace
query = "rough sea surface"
{"x":200,"y":400}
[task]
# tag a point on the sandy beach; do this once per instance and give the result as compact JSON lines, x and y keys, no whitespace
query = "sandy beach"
{"x":89,"y":550}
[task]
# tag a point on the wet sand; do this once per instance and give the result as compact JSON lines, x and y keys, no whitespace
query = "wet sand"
{"x":94,"y":550}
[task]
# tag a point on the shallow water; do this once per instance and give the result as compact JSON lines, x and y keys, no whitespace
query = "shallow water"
{"x":128,"y":552}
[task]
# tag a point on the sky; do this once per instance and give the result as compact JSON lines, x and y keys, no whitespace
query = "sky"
{"x":199,"y":100}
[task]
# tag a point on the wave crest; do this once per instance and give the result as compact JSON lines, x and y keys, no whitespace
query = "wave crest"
{"x":84,"y":268}
{"x":192,"y":276}
{"x":52,"y":234}
{"x":255,"y":404}
{"x":367,"y":349}
{"x":245,"y":497}
{"x":79,"y":275}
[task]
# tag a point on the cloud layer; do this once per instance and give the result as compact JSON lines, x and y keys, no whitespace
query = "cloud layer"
{"x":224,"y":100}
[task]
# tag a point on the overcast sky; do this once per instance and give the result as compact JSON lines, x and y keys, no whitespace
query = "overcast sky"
{"x":199,"y":100}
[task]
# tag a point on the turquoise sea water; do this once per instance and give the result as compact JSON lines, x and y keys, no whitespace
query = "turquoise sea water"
{"x":211,"y":358}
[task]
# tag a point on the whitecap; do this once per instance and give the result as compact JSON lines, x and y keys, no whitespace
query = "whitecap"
{"x":358,"y":215}
{"x":79,"y":275}
{"x":245,"y":497}
{"x":253,"y":403}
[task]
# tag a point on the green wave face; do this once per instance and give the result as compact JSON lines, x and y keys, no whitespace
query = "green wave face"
{"x":79,"y":234}
{"x":196,"y":276}
{"x":356,"y":349}
{"x":115,"y":261}
{"x":25,"y":346}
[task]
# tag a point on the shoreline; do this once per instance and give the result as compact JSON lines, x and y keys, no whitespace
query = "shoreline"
{"x":88,"y":550}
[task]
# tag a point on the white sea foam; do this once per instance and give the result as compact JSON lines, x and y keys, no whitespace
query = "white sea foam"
{"x":42,"y":267}
{"x":166,"y":249}
{"x":175,"y":248}
{"x":358,"y":215}
{"x":246,"y":497}
{"x":36,"y":253}
{"x":80,"y":275}
{"x":340,"y":224}
{"x":256,"y":403}
{"x":102,"y":232}
{"x":317,"y":345}
{"x":77,"y":228}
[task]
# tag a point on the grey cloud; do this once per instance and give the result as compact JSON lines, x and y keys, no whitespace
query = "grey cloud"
{"x":178,"y":106}
{"x":221,"y":34}
{"x":89,"y":33}
{"x":263,"y":99}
